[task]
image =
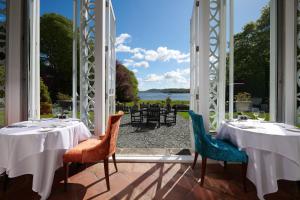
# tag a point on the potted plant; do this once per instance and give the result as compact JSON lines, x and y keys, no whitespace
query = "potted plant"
{"x":242,"y":101}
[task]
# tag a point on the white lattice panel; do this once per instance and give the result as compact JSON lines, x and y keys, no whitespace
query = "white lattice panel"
{"x":214,"y":59}
{"x":87,"y":58}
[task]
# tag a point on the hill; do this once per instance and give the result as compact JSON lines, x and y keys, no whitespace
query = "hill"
{"x":168,"y":90}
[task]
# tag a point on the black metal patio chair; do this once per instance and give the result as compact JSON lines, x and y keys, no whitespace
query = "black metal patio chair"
{"x":153,"y":115}
{"x":136,"y":115}
{"x":170,"y":115}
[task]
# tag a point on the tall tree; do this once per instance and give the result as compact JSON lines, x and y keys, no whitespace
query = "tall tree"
{"x":56,"y":51}
{"x":126,"y":84}
{"x":252,"y":56}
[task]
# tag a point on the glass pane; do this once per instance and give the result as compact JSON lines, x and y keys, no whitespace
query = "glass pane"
{"x":3,"y":12}
{"x":252,"y":59}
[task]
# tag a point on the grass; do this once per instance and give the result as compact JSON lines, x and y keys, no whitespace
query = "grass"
{"x":184,"y":115}
{"x":163,"y":102}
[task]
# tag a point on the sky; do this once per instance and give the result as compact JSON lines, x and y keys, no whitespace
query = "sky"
{"x":153,"y":36}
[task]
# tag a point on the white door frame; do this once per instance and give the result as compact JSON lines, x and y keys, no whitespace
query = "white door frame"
{"x":34,"y":68}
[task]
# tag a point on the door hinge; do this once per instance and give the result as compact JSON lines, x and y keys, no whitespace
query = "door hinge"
{"x":197,"y":3}
{"x":107,"y":4}
{"x":106,"y":48}
{"x":197,"y":48}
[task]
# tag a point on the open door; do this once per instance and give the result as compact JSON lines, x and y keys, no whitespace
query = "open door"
{"x":110,"y":60}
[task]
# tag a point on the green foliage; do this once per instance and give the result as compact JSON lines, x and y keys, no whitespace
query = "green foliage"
{"x":45,"y":95}
{"x":243,"y":96}
{"x":252,"y":57}
{"x":126,"y":84}
{"x":168,"y":100}
{"x":2,"y":80}
{"x":56,"y":50}
{"x":46,"y":103}
{"x":61,"y":96}
{"x":161,"y":102}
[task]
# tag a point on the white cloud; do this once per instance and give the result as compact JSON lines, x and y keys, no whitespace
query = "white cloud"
{"x":132,"y":63}
{"x":128,"y":62}
{"x":153,"y":78}
{"x":141,"y":64}
{"x":151,"y":55}
{"x":138,"y":56}
{"x":176,"y":76}
{"x":162,"y":54}
{"x":121,"y":39}
{"x":135,"y":71}
{"x":123,"y":48}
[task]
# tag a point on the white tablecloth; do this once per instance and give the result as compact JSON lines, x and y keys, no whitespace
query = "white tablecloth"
{"x":273,"y":150}
{"x":37,"y":147}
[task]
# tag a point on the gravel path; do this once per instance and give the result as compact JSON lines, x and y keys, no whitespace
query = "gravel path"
{"x":149,"y":136}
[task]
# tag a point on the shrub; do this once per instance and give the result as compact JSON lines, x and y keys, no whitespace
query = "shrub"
{"x":243,"y":96}
{"x":46,"y":108}
{"x":45,"y":95}
{"x":168,"y":100}
{"x":46,"y":103}
{"x":63,"y":97}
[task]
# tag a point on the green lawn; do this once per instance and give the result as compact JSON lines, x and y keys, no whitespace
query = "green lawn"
{"x":184,"y":115}
{"x":163,"y":102}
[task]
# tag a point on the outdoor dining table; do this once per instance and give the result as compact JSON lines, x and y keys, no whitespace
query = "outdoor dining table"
{"x":36,"y":147}
{"x":273,"y":151}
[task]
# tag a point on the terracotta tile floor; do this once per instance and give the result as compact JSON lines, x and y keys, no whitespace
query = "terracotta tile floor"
{"x":149,"y":181}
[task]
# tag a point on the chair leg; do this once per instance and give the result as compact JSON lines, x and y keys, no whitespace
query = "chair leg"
{"x":244,"y":171}
{"x":225,"y":165}
{"x":115,"y":163}
{"x":5,"y":183}
{"x":66,"y":169}
{"x":203,"y":168}
{"x":106,"y":170}
{"x":195,"y":160}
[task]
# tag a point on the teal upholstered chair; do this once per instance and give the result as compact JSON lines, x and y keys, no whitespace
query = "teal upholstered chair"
{"x":215,"y":149}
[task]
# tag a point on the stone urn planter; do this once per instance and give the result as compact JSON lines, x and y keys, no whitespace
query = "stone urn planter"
{"x":242,"y":102}
{"x":242,"y":106}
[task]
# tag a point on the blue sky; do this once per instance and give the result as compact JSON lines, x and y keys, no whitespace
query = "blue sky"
{"x":153,"y":36}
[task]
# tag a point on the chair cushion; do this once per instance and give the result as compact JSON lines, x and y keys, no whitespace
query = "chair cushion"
{"x":227,"y":151}
{"x":75,"y":154}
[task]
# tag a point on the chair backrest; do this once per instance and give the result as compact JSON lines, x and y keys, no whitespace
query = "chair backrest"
{"x":168,"y":107}
{"x":199,"y":130}
{"x":153,"y":112}
{"x":143,"y":105}
{"x":134,"y":108}
{"x":110,"y":139}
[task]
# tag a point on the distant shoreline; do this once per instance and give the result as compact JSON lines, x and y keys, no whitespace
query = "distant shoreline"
{"x":167,"y":90}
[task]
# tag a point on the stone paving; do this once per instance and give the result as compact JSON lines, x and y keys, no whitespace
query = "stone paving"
{"x":150,"y":136}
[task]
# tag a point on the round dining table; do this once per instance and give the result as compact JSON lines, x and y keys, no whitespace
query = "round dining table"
{"x":273,"y":151}
{"x":36,"y":148}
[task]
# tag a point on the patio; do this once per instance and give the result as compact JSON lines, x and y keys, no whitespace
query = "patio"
{"x":148,"y":139}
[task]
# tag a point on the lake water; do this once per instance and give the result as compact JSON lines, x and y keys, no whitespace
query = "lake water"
{"x":163,"y":96}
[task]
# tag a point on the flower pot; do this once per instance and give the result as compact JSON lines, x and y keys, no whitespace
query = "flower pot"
{"x":242,"y":106}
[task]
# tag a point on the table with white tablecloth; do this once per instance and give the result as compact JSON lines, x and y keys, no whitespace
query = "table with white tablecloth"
{"x":36,"y":147}
{"x":273,"y":150}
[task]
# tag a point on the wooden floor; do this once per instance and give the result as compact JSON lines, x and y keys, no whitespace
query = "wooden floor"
{"x":149,"y":181}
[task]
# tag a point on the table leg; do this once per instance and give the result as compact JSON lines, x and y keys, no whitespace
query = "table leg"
{"x":5,"y":182}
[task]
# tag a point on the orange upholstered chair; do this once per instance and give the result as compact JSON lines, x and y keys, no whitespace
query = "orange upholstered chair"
{"x":95,"y":150}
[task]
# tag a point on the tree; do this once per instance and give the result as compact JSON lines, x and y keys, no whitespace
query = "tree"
{"x":126,"y":84}
{"x":252,"y":56}
{"x":56,"y":53}
{"x":46,"y":104}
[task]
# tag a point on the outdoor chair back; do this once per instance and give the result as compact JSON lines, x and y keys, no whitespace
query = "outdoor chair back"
{"x":135,"y":115}
{"x":153,"y":115}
